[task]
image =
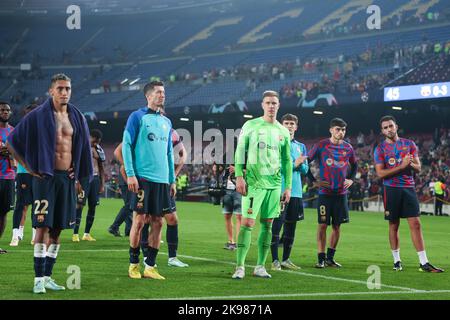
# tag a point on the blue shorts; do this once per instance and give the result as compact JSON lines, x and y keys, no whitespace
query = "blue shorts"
{"x":54,"y":201}
{"x":23,"y":189}
{"x":400,"y":203}
{"x":293,"y":211}
{"x":90,"y":192}
{"x":332,"y":209}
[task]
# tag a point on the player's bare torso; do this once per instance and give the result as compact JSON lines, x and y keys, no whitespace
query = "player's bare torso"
{"x":64,"y":133}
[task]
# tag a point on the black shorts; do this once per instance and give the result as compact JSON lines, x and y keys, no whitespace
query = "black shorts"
{"x":6,"y":195}
{"x":23,"y":189}
{"x":293,"y":211}
{"x":90,"y":192}
{"x":231,"y":202}
{"x":332,"y":209}
{"x":173,"y":205}
{"x":152,"y":198}
{"x":54,"y":201}
{"x":400,"y":203}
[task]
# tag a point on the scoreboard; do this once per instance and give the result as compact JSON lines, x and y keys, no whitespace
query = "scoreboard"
{"x":420,"y":91}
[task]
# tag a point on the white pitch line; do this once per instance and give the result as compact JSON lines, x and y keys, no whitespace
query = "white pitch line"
{"x":250,"y":266}
{"x":312,"y":294}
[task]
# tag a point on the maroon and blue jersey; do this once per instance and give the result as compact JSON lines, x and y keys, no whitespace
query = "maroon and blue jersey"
{"x":6,"y":169}
{"x":390,"y":155}
{"x":334,"y":162}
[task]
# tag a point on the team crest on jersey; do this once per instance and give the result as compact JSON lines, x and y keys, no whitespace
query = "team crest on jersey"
{"x":23,"y":186}
{"x":387,"y":213}
{"x":391,"y":161}
{"x":250,"y":211}
{"x":261,"y":145}
{"x":329,"y":162}
{"x":40,"y":218}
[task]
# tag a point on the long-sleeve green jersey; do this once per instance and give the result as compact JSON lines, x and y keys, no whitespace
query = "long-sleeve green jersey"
{"x":264,"y":151}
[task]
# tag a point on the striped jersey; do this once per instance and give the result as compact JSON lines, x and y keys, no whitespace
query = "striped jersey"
{"x":334,"y":161}
{"x":6,"y":169}
{"x":390,"y":155}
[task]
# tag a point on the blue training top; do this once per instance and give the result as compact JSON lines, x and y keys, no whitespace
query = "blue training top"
{"x":147,"y":147}
{"x":297,"y":149}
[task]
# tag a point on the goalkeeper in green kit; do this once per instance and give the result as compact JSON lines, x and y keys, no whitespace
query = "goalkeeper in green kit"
{"x":263,"y":150}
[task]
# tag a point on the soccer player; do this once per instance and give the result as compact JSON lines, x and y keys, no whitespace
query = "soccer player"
{"x":24,"y":198}
{"x":7,"y":163}
{"x":91,"y":190}
{"x":125,"y":214}
{"x":52,"y":143}
{"x":149,"y":165}
{"x":264,"y":149}
{"x":293,"y":211}
{"x":396,"y":159}
{"x":334,"y":156}
{"x":171,"y":214}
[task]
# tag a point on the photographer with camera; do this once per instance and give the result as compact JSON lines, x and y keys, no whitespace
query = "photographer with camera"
{"x":224,"y":188}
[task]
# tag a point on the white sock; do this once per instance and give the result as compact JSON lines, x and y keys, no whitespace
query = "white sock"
{"x":86,"y":234}
{"x":37,"y":279}
{"x":40,"y":250}
{"x":52,"y":250}
{"x":422,"y":257}
{"x":21,"y":231}
{"x":396,"y":255}
{"x":15,"y":233}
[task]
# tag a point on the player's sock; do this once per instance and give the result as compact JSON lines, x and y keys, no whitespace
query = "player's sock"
{"x":265,"y":234}
{"x":330,"y":253}
{"x":244,"y":241}
{"x":289,"y":235}
{"x":321,"y":257}
{"x":21,"y":232}
{"x":89,"y":220}
{"x":276,"y":228}
{"x":151,"y":256}
{"x":144,"y":240}
{"x":172,"y":240}
{"x":40,"y":251}
{"x":396,"y":255}
{"x":134,"y":255}
{"x":79,"y":211}
{"x":15,"y":233}
{"x":422,"y":257}
{"x":50,"y":259}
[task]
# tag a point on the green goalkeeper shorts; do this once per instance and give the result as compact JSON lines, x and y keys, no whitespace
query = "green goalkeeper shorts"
{"x":264,"y":202}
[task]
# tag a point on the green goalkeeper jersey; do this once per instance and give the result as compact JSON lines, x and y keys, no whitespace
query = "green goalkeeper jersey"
{"x":264,"y":151}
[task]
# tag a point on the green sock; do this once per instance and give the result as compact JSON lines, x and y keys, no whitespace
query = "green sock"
{"x":264,"y":240}
{"x":244,"y":241}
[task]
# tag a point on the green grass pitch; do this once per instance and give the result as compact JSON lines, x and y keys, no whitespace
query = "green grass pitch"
{"x":104,"y":263}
